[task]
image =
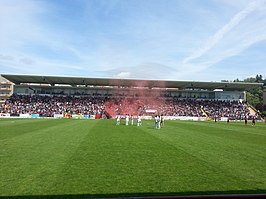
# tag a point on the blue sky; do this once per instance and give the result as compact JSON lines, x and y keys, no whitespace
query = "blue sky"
{"x":208,"y":40}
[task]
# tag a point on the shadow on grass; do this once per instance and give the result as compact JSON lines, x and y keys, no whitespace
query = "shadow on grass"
{"x":169,"y":195}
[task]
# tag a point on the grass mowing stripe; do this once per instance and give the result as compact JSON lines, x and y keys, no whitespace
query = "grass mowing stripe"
{"x":40,"y":157}
{"x":24,"y":154}
{"x":19,"y":127}
{"x":98,"y":157}
{"x":224,"y":156}
{"x":122,"y":164}
{"x":209,"y":164}
{"x":121,"y":156}
{"x":241,"y":137}
{"x":183,"y":131}
{"x":259,"y":129}
{"x":242,"y":134}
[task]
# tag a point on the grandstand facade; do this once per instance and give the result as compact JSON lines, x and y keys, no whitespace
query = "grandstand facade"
{"x":6,"y":89}
{"x":55,"y":95}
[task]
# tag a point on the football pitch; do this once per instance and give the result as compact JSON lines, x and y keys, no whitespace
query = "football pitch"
{"x":96,"y":158}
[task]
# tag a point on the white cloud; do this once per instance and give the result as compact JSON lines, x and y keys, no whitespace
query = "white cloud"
{"x":122,"y":75}
{"x":219,"y":35}
{"x":144,"y":71}
{"x":6,"y":57}
{"x":26,"y":61}
{"x":22,"y":33}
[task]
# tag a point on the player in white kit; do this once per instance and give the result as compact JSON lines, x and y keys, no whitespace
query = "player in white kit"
{"x":132,"y":120}
{"x":159,"y":121}
{"x":127,"y":119}
{"x":155,"y":121}
{"x":139,"y":121}
{"x":118,"y":119}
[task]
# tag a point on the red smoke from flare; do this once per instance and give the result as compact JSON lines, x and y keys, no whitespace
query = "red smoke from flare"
{"x":134,"y":100}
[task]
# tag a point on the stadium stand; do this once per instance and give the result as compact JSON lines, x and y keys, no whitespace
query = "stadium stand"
{"x":47,"y":106}
{"x":48,"y":96}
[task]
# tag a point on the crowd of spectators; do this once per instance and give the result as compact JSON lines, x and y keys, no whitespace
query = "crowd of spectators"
{"x":234,"y":110}
{"x":48,"y":105}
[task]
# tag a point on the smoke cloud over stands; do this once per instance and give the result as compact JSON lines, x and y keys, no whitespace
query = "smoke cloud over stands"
{"x":135,"y":98}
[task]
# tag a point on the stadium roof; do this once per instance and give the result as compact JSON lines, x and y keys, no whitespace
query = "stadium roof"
{"x":18,"y":79}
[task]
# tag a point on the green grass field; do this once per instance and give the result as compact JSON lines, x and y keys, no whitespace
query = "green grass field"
{"x":96,"y":158}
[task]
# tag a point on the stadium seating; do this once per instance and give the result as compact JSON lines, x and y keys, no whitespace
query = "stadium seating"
{"x":48,"y":105}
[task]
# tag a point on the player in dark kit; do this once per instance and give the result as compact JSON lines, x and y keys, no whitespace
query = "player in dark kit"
{"x":246,"y":120}
{"x":253,"y":121}
{"x":162,"y":121}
